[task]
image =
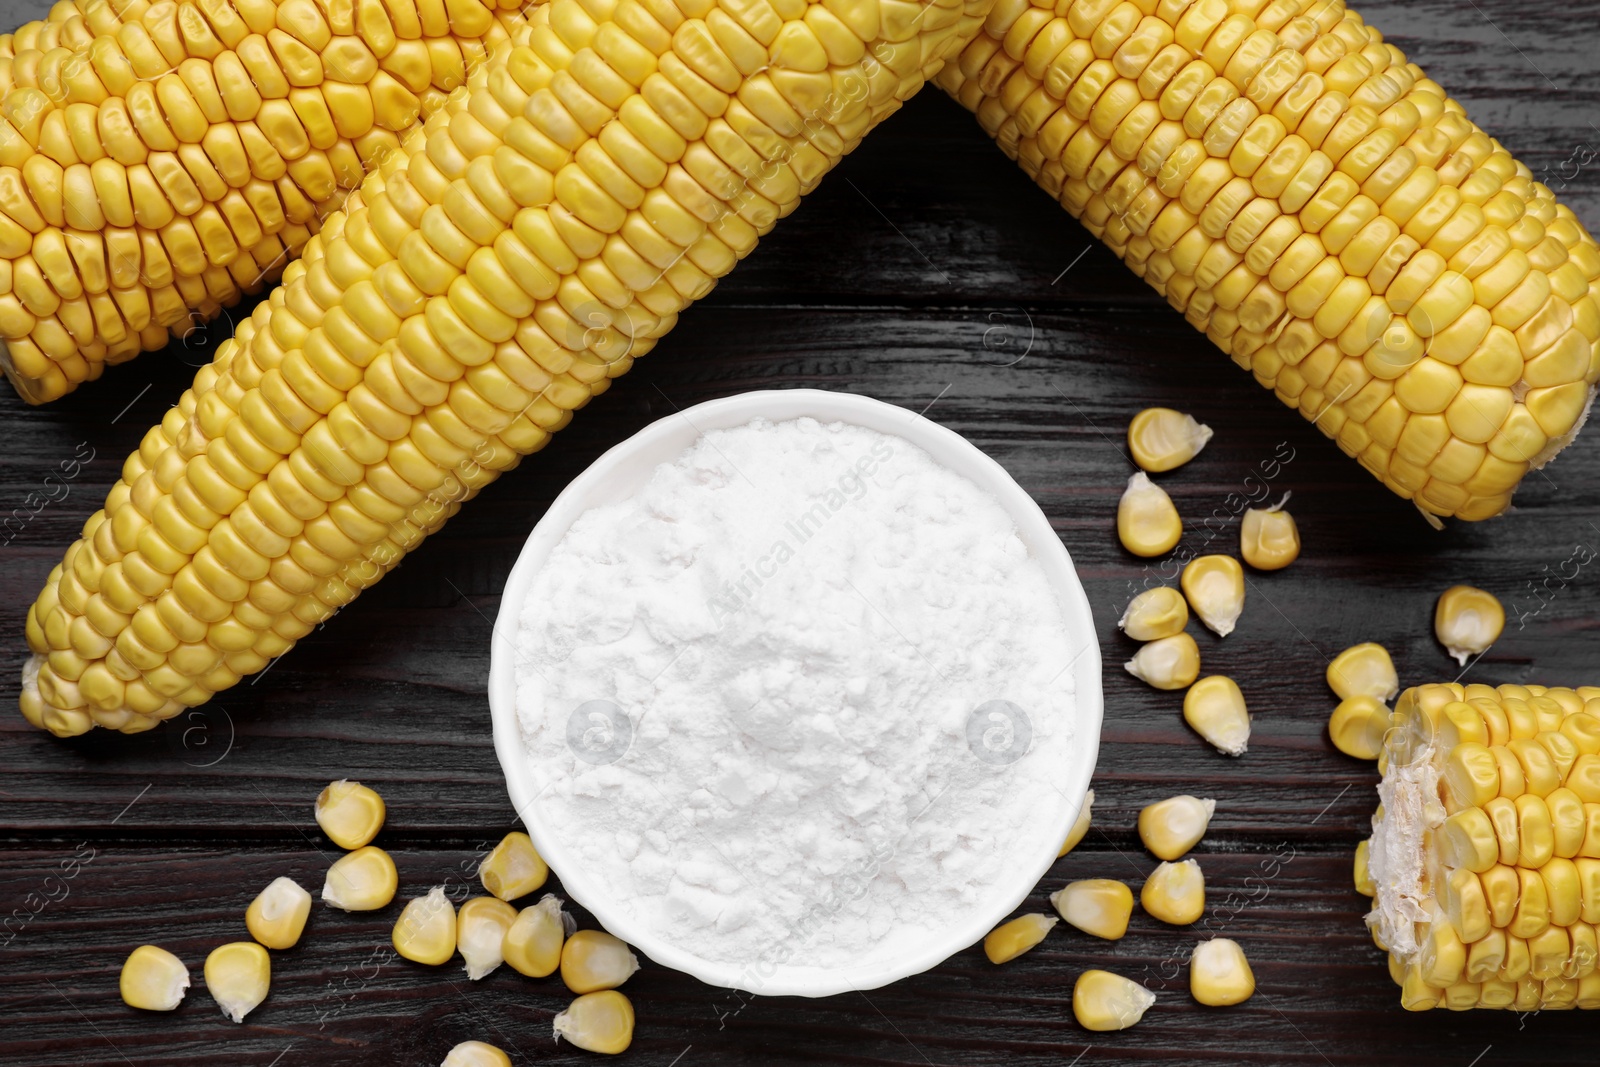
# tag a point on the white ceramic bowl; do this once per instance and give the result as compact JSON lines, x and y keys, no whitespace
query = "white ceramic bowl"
{"x":621,"y":472}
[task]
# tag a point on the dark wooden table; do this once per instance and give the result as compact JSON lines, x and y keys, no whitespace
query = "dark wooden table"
{"x":927,"y":272}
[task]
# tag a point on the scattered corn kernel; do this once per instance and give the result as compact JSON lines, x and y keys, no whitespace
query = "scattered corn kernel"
{"x":481,"y":927}
{"x":1364,"y":670}
{"x":277,"y":916}
{"x":1154,"y":614}
{"x":1098,"y":906}
{"x":1269,"y":540}
{"x":1162,"y":439}
{"x":1215,"y":707}
{"x":1171,"y":827}
{"x":1011,"y":939}
{"x":1358,"y":726}
{"x":1215,"y":588}
{"x":1219,"y":974}
{"x":1105,"y":1001}
{"x":532,"y":945}
{"x":514,"y":869}
{"x":476,"y":1054}
{"x":153,"y":979}
{"x":426,"y":929}
{"x":1147,"y":521}
{"x":1363,"y":874}
{"x":1467,"y":620}
{"x":1170,"y":663}
{"x":1080,"y":825}
{"x":349,"y":813}
{"x":1175,"y":893}
{"x":238,"y":977}
{"x":592,"y":960}
{"x":363,"y":880}
{"x":598,"y":1022}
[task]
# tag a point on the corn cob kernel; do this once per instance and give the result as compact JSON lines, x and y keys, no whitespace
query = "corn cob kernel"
{"x":349,"y":813}
{"x":1215,"y":708}
{"x":1363,"y":875}
{"x":1162,"y":439}
{"x":1080,"y":825}
{"x":1358,"y":725}
{"x":238,"y":977}
{"x":277,"y":916}
{"x":476,"y":1054}
{"x":1175,"y":893}
{"x":592,"y":960}
{"x":481,"y":926}
{"x":1147,"y":520}
{"x":1171,"y":827}
{"x":1169,"y":663}
{"x":598,"y":1022}
{"x":1154,"y":614}
{"x":532,"y":945}
{"x":363,"y":880}
{"x":1269,"y":540}
{"x":426,"y":929}
{"x":1098,"y":906}
{"x":1214,"y":586}
{"x":1011,"y":939}
{"x":1467,"y":621}
{"x":153,"y":979}
{"x":1364,"y":671}
{"x":1105,"y":1001}
{"x":514,"y":868}
{"x":1219,"y":975}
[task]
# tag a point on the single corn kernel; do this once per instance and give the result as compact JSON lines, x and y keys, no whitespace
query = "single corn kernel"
{"x":426,"y":929}
{"x":476,"y":1054}
{"x":1105,"y":1001}
{"x":514,"y":869}
{"x":1009,"y":940}
{"x":1080,"y":825}
{"x":1219,"y":974}
{"x":1215,"y":708}
{"x":1098,"y":906}
{"x":238,"y":977}
{"x":1147,"y":521}
{"x":1364,"y":671}
{"x":1154,"y":614}
{"x":1269,"y":540}
{"x":1215,"y":588}
{"x":277,"y":916}
{"x":153,"y":979}
{"x":1467,"y":621}
{"x":1175,"y":893}
{"x":481,"y":927}
{"x":597,"y":1022}
{"x":1358,"y":726}
{"x":349,"y":813}
{"x":532,"y":945}
{"x":363,"y":880}
{"x":1363,"y":873}
{"x":592,"y":960}
{"x":1171,"y":827}
{"x":1162,"y":439}
{"x":1170,"y":663}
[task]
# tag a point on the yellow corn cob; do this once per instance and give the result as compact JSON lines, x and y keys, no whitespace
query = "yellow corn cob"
{"x":1323,"y":211}
{"x":526,"y":244}
{"x":1485,"y":852}
{"x":160,"y":167}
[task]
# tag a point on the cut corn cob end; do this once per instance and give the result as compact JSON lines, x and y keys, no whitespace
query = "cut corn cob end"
{"x":1104,"y":1001}
{"x":1011,"y":939}
{"x":153,"y":979}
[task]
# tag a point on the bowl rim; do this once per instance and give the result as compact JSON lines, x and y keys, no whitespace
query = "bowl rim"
{"x":662,"y":441}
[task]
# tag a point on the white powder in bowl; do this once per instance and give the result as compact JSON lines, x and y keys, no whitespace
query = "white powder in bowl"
{"x":805,"y":690}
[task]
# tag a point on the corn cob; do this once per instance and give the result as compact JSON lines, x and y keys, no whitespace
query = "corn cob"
{"x":1323,"y":212}
{"x":1485,"y":851}
{"x":160,"y":167}
{"x":530,"y":241}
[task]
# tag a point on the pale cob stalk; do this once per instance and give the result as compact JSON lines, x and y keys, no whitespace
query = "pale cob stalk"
{"x":156,"y":170}
{"x":1323,"y":212}
{"x":380,"y":386}
{"x":1511,"y":920}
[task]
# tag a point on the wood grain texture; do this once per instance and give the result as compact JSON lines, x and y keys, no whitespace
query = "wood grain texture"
{"x":928,"y":272}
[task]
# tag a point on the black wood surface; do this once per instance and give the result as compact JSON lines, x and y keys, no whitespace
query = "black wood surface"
{"x":927,"y":272}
